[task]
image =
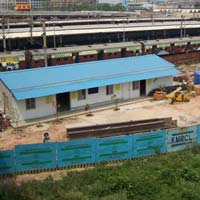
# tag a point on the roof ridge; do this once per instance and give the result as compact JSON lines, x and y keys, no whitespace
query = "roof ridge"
{"x":74,"y":64}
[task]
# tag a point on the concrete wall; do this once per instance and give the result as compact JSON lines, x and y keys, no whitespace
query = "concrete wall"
{"x":45,"y":106}
{"x":95,"y":98}
{"x":158,"y":82}
{"x":10,"y":104}
{"x":128,"y":92}
{"x":121,"y":91}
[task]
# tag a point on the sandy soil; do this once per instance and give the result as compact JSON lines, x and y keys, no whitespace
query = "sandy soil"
{"x":184,"y":113}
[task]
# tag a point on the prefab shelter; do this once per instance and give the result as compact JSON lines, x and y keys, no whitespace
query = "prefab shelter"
{"x":41,"y":92}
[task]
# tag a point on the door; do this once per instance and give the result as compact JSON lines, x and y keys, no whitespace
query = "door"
{"x":63,"y":101}
{"x":142,"y":87}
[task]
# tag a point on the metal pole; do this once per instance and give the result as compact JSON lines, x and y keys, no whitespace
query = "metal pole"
{"x":8,"y":30}
{"x":44,"y":43}
{"x":31,"y":32}
{"x":184,"y":28}
{"x":124,"y":35}
{"x":4,"y":36}
{"x":181,"y":33}
{"x":54,"y":37}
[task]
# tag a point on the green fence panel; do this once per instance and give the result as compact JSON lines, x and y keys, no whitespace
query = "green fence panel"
{"x":7,"y":162}
{"x":145,"y":144}
{"x":35,"y":157}
{"x":198,"y":133}
{"x":76,"y":152}
{"x":113,"y":148}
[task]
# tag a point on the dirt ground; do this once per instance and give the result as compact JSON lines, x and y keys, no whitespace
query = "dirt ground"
{"x":189,"y":68}
{"x":185,"y":113}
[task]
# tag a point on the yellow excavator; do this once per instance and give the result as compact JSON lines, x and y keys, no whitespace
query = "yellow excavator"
{"x":179,"y":96}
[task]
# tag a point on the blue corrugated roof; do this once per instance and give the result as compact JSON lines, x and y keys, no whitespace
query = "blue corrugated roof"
{"x":45,"y":81}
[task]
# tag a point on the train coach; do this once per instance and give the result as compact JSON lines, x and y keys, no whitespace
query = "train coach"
{"x":12,"y":60}
{"x":171,"y":46}
{"x":175,"y":50}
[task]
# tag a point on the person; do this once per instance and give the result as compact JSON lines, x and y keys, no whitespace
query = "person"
{"x":46,"y":138}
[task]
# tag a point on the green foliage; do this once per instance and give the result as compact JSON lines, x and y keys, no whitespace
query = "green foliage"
{"x":110,"y":7}
{"x":195,"y":148}
{"x":174,"y":176}
{"x":93,"y":6}
{"x":189,"y":195}
{"x":189,"y":175}
{"x":168,"y":177}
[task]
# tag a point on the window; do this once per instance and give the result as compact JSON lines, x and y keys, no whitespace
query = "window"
{"x":93,"y":90}
{"x":135,"y":85}
{"x":30,"y":104}
{"x":91,"y":56}
{"x":109,"y":89}
{"x":81,"y":94}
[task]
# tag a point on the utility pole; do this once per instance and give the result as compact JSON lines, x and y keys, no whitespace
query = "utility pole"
{"x":184,"y":28}
{"x":54,"y":37}
{"x":124,"y":36}
{"x":44,"y":43}
{"x":8,"y":30}
{"x":4,"y":35}
{"x":181,"y":33}
{"x":31,"y":31}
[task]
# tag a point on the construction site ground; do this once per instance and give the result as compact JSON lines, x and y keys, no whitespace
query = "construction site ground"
{"x":185,"y":113}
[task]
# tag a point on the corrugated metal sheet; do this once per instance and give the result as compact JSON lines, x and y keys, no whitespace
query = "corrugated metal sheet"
{"x":39,"y":82}
{"x":149,"y":143}
{"x":6,"y":162}
{"x":181,"y":138}
{"x":35,"y":157}
{"x":114,"y":148}
{"x":76,"y":152}
{"x":198,"y":133}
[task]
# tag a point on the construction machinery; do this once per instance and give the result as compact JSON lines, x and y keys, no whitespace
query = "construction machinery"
{"x":179,"y":96}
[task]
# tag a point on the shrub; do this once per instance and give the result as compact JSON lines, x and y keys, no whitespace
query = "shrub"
{"x":189,"y":175}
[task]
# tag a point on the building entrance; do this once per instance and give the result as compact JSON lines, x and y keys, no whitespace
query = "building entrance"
{"x":142,"y":87}
{"x":63,"y":101}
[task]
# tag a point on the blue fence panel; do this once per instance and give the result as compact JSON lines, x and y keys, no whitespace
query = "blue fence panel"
{"x":146,"y":144}
{"x":114,"y":148}
{"x":198,"y":133}
{"x":6,"y":162}
{"x":76,"y":152}
{"x":181,"y":138}
{"x":35,"y":157}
